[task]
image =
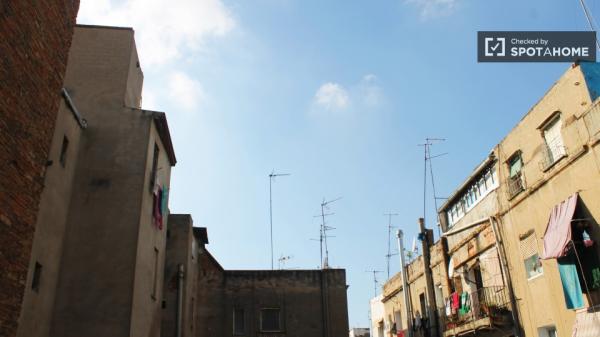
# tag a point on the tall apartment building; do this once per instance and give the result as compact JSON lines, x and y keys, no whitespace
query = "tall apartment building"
{"x":524,"y":224}
{"x":481,"y":301}
{"x":97,"y":265}
{"x":548,"y":207}
{"x":34,"y":44}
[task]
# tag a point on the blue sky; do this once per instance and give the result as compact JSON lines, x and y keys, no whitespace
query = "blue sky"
{"x":337,"y":93}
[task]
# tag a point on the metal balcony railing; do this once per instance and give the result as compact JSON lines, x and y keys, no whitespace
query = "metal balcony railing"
{"x":487,"y":302}
{"x":515,"y":185}
{"x":551,"y":153}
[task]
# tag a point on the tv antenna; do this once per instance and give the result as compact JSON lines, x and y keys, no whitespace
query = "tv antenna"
{"x":427,"y":159}
{"x":272,"y":176}
{"x":375,"y":281}
{"x":323,"y":231}
{"x":282,"y":260}
{"x":389,"y":252}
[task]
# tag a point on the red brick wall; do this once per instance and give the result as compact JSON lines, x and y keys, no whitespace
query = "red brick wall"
{"x":35,"y":37}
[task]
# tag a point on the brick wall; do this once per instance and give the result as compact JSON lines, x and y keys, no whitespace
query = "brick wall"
{"x":35,"y":37}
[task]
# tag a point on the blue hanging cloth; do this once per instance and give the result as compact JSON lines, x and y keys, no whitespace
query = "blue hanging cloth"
{"x":570,"y":282}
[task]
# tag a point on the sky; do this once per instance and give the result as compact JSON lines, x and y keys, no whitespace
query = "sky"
{"x":337,"y":93}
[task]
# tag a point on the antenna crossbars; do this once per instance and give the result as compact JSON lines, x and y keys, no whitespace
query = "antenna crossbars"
{"x":389,"y":251}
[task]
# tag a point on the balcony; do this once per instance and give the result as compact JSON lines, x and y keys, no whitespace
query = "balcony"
{"x":552,"y":153}
{"x":515,"y":184}
{"x":487,"y":308}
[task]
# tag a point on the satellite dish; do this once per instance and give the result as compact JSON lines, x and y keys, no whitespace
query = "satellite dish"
{"x":450,"y":267}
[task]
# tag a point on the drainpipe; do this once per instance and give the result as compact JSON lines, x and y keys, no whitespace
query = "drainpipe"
{"x":506,"y":273}
{"x":180,"y":275}
{"x":405,"y":289}
{"x":432,"y":315}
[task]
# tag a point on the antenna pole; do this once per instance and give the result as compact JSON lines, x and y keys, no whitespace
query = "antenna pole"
{"x":375,"y":281}
{"x":389,"y":253}
{"x":272,"y":175}
{"x":586,"y":11}
{"x":324,"y":229}
{"x":427,"y":158}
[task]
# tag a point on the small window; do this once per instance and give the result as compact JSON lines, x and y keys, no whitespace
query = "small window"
{"x":555,"y":148}
{"x":154,"y":167}
{"x":516,"y":183}
{"x":239,"y":322}
{"x":63,"y":151}
{"x":547,"y":331}
{"x":154,"y":294}
{"x":531,"y":258}
{"x":37,"y":275}
{"x":270,"y":319}
{"x":515,"y":164}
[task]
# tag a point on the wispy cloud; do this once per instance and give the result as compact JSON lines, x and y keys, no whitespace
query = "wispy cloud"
{"x":370,"y":92}
{"x":332,"y":96}
{"x":184,"y":91}
{"x":434,"y":8}
{"x":164,"y":29}
{"x":365,"y":94}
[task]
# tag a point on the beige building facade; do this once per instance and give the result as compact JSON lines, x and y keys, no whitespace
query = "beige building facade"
{"x":397,"y":319}
{"x":98,"y":254}
{"x":550,"y":156}
{"x":534,"y":233}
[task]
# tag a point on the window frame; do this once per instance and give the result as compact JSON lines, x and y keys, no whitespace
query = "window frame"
{"x":234,"y":327}
{"x":279,"y":319}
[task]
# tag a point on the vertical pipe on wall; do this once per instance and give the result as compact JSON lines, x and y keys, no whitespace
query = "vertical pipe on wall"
{"x":180,"y":275}
{"x":506,"y":274}
{"x":405,"y":289}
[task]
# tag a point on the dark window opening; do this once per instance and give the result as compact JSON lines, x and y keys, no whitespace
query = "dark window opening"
{"x":270,"y":319}
{"x":154,"y":167}
{"x":63,"y":151}
{"x":239,"y":327}
{"x":37,"y":275}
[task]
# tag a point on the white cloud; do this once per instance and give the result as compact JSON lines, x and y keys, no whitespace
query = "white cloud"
{"x":332,"y":96}
{"x":185,"y":92}
{"x":370,"y":91}
{"x":164,"y":29}
{"x":434,"y":8}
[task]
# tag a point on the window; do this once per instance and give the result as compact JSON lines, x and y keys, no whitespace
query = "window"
{"x":270,"y":319}
{"x":37,"y":275}
{"x":515,"y":177}
{"x":192,"y":313}
{"x":547,"y":331}
{"x":239,"y":322}
{"x":154,"y":167}
{"x":555,"y":148}
{"x":155,"y":275}
{"x":473,"y":194}
{"x":63,"y":151}
{"x":398,"y":320}
{"x":531,"y":258}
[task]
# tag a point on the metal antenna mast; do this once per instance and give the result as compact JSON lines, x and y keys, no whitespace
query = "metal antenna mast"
{"x":389,"y":253}
{"x":272,"y":176}
{"x":375,"y":281}
{"x":427,"y":158}
{"x":323,"y":232}
{"x":589,"y":19}
{"x":282,"y":260}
